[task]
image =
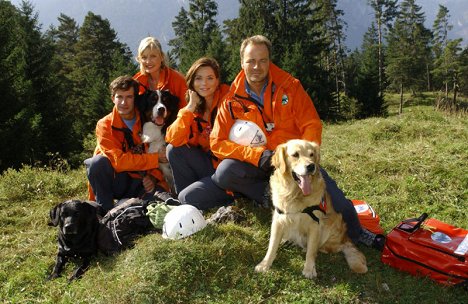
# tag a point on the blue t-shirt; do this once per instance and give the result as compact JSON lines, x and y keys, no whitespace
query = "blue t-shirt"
{"x":130,"y":122}
{"x":258,"y":99}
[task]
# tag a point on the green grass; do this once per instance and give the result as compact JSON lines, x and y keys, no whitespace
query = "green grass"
{"x":402,"y":165}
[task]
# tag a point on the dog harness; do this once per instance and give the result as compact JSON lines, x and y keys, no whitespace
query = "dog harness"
{"x":310,"y":210}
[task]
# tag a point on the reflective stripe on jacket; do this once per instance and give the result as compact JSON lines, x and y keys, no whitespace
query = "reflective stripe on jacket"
{"x":169,"y":79}
{"x":286,"y":105}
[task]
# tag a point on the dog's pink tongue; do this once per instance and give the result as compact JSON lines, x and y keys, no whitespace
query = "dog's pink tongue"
{"x":159,"y":121}
{"x":304,"y":184}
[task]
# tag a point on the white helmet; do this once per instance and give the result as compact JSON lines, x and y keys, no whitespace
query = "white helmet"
{"x":182,"y":221}
{"x":247,"y":133}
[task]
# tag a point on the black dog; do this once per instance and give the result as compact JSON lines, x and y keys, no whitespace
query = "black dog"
{"x":159,"y":107}
{"x":78,"y":224}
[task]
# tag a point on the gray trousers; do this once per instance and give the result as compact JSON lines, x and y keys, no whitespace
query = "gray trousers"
{"x":108,"y":185}
{"x":192,"y":169}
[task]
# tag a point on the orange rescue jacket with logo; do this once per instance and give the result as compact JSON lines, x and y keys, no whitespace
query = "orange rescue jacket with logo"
{"x":112,"y":144}
{"x":286,"y":105}
{"x":191,"y":129}
{"x":169,"y":79}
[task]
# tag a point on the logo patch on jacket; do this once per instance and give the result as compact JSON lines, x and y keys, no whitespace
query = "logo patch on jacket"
{"x":284,"y":100}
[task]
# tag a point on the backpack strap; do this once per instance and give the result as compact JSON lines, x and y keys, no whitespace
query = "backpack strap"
{"x":128,"y":135}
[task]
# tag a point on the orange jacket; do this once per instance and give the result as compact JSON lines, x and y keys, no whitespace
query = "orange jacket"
{"x":112,"y":144}
{"x":287,"y":105}
{"x":169,"y":79}
{"x":190,"y":128}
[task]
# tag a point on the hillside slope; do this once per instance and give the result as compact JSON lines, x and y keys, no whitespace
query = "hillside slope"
{"x":402,"y":165}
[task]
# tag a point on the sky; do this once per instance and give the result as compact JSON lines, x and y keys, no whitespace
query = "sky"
{"x":135,"y":19}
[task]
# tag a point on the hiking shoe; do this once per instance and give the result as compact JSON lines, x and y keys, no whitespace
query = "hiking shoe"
{"x":379,"y":242}
{"x":166,"y":197}
{"x":266,"y":202}
{"x":373,"y":240}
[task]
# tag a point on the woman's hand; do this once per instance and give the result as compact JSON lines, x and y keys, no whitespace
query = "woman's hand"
{"x":194,"y":100}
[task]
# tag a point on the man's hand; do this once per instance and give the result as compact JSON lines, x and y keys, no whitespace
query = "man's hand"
{"x":162,"y":155}
{"x":149,"y":183}
{"x":265,"y":161}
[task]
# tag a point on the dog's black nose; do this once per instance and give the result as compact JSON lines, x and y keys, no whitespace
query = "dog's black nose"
{"x":161,"y":111}
{"x":70,"y":229}
{"x":311,"y":168}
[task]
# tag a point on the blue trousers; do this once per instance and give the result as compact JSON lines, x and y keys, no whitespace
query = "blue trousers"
{"x":108,"y":185}
{"x":192,"y":169}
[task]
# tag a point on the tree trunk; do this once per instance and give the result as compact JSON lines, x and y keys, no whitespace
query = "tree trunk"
{"x":446,"y":90}
{"x":428,"y":78}
{"x":454,"y":102}
{"x":379,"y":30}
{"x":400,"y":111}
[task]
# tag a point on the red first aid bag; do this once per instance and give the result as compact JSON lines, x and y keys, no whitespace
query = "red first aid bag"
{"x":368,"y":218}
{"x":429,"y":248}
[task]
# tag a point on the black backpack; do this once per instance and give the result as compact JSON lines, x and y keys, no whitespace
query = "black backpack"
{"x":123,"y":224}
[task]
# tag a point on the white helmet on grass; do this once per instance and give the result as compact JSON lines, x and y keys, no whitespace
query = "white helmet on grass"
{"x":247,"y":133}
{"x":182,"y":221}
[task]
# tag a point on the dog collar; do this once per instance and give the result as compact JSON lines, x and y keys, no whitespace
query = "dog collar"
{"x":310,"y":210}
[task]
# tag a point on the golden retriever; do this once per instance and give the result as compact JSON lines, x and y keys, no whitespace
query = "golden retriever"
{"x":298,"y":190}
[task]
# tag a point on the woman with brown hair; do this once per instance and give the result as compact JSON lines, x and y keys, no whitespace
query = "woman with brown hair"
{"x":189,"y":136}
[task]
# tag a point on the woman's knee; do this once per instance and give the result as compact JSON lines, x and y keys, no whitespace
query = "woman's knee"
{"x":176,"y":154}
{"x":170,"y":151}
{"x":187,"y":196}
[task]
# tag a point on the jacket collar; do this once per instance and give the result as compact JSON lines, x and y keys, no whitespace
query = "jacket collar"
{"x":279,"y":77}
{"x":117,"y":121}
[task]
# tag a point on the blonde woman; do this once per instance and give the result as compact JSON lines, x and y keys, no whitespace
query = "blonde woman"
{"x":189,"y":136}
{"x":155,"y":72}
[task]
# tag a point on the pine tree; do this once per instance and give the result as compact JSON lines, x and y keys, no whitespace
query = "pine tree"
{"x":180,"y":26}
{"x":11,"y":80}
{"x":65,"y":37}
{"x":301,"y":55}
{"x":464,"y":71}
{"x":440,"y":41}
{"x":408,"y":49}
{"x":385,"y":12}
{"x":197,"y":34}
{"x":441,"y":29}
{"x":42,"y":127}
{"x":366,"y":86}
{"x":334,"y":26}
{"x":450,"y":68}
{"x":100,"y":57}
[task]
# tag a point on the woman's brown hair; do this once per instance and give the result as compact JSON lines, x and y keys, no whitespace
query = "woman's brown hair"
{"x":190,"y":78}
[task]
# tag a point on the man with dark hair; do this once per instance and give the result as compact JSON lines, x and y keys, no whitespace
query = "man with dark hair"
{"x":120,"y":168}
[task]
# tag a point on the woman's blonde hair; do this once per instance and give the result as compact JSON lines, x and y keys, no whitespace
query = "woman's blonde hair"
{"x":190,"y":78}
{"x":152,"y":44}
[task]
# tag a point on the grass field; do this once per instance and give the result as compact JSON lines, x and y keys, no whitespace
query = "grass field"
{"x":402,"y":165}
